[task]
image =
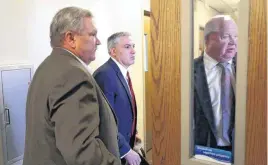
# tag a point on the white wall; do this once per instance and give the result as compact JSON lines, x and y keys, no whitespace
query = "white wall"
{"x":25,"y":33}
{"x":146,"y":5}
{"x":14,"y":16}
{"x":201,"y":15}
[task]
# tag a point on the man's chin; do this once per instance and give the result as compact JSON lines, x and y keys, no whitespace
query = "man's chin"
{"x":227,"y":57}
{"x":133,"y":62}
{"x":93,"y":57}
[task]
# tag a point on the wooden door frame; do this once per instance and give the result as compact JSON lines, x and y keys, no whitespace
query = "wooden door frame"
{"x":166,"y":71}
{"x":145,"y":34}
{"x":256,"y":105}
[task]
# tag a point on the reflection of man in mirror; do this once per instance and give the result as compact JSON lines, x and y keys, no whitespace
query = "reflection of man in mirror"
{"x":214,"y":90}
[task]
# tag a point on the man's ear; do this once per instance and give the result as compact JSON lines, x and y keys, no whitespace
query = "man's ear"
{"x":113,"y":52}
{"x":70,"y":39}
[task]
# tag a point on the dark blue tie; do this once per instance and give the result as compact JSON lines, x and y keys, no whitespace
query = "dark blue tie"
{"x":226,"y":101}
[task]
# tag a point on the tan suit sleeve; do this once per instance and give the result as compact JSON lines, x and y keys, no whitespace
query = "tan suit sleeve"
{"x":74,"y":112}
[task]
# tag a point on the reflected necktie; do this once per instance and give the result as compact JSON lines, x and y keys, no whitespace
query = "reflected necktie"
{"x":226,"y":101}
{"x":133,"y":100}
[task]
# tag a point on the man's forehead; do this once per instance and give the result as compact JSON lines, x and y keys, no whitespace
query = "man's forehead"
{"x":126,"y":39}
{"x":93,"y":22}
{"x":229,"y":26}
{"x":90,"y":23}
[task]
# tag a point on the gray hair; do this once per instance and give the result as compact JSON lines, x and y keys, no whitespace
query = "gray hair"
{"x":114,"y":38}
{"x":214,"y":24}
{"x":67,"y":19}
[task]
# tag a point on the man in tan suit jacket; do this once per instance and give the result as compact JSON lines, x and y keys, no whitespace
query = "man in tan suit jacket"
{"x":69,"y":121}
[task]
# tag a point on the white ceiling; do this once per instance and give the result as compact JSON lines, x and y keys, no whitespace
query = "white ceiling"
{"x":223,"y":6}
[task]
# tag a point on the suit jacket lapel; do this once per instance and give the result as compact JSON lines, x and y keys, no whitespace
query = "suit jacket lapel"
{"x":232,"y":124}
{"x":121,"y":78}
{"x":234,"y":62}
{"x":201,"y":87}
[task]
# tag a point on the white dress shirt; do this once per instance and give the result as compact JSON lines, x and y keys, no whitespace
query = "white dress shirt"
{"x":213,"y":73}
{"x":122,"y":69}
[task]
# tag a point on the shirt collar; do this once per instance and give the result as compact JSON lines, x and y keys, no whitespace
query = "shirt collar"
{"x":82,"y":62}
{"x":122,"y":69}
{"x":210,"y":63}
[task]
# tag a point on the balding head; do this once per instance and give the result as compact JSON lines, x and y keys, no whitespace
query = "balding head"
{"x":217,"y":23}
{"x":221,"y":38}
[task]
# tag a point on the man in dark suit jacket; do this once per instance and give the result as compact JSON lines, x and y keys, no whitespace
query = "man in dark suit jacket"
{"x":69,"y":121}
{"x":113,"y":78}
{"x":214,"y":85}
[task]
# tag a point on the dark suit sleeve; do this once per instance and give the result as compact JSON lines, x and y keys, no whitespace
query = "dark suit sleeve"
{"x":106,"y":83}
{"x":74,"y":111}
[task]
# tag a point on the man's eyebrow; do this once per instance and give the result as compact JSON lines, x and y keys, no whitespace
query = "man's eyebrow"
{"x":129,"y":44}
{"x":95,"y":31}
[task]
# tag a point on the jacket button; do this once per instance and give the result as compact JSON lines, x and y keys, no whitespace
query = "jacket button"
{"x":128,"y":134}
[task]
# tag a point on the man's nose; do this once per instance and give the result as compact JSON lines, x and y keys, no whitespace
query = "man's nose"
{"x":133,"y":51}
{"x":98,"y":42}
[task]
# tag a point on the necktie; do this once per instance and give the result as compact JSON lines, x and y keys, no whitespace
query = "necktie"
{"x":133,"y":100}
{"x":226,"y":101}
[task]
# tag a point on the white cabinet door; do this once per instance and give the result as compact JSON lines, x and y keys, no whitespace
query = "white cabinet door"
{"x":15,"y":85}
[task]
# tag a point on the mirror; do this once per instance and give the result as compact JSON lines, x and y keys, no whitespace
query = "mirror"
{"x":214,"y":76}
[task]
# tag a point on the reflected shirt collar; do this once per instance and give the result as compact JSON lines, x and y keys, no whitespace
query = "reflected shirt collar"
{"x":210,"y":63}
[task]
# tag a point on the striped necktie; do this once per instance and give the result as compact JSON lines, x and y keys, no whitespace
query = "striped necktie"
{"x":226,"y":101}
{"x":133,"y":100}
